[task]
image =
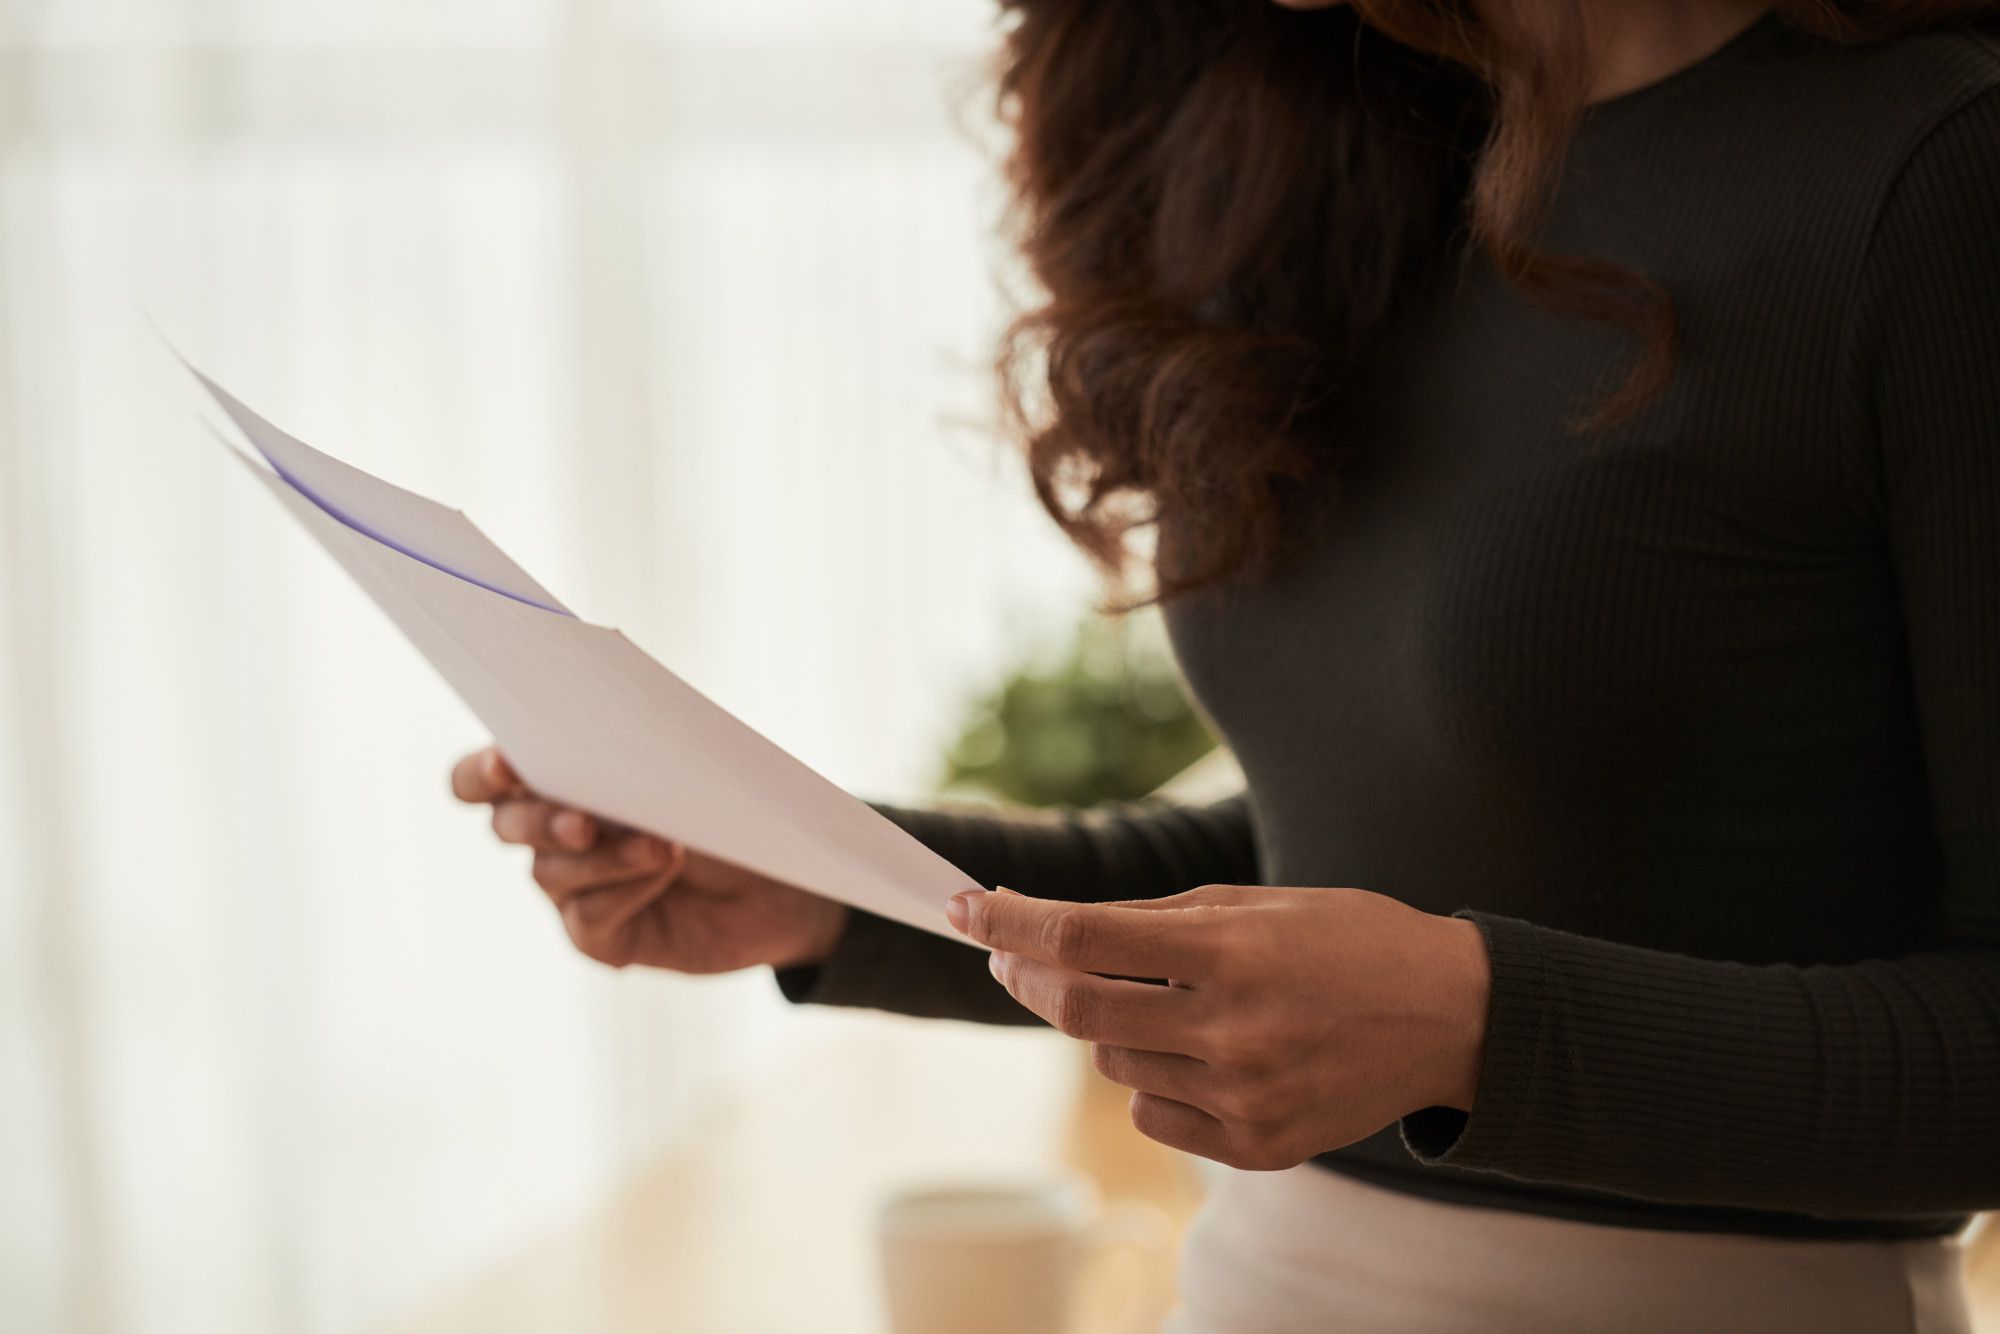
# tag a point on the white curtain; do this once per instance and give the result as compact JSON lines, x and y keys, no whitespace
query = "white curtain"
{"x":687,"y":303}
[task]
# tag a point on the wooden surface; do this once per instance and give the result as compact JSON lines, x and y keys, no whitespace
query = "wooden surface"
{"x":765,"y":1221}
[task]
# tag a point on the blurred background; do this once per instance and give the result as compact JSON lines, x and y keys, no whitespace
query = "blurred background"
{"x":690,"y":305}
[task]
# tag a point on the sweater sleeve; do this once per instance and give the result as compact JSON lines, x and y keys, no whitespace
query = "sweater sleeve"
{"x":1131,"y":850}
{"x":1864,"y":1089}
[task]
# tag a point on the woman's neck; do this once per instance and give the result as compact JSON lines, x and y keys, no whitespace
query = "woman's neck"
{"x":1633,"y":44}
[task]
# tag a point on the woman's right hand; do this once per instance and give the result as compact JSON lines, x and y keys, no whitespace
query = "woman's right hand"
{"x":627,"y":897}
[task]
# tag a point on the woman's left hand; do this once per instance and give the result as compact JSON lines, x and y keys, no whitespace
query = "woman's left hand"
{"x":1295,"y":1021}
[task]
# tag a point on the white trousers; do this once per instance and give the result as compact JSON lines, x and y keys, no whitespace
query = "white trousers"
{"x":1309,"y":1251}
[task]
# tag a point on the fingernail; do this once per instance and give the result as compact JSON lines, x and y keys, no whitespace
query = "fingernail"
{"x":993,"y":965}
{"x":638,"y":850}
{"x":1002,"y":889}
{"x":958,"y":909}
{"x":495,"y":770}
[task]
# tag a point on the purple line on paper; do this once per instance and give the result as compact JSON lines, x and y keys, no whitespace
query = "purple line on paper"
{"x":254,"y":428}
{"x":394,"y":545}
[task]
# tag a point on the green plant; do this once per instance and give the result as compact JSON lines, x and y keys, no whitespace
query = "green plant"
{"x":1110,"y":722}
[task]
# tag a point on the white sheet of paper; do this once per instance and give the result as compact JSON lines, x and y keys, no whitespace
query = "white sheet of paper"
{"x":584,"y":716}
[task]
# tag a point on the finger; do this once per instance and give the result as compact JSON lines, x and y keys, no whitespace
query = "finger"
{"x":633,"y":857}
{"x":1099,"y":1009}
{"x":1086,"y":937}
{"x":1180,"y":1126}
{"x":543,"y":824}
{"x":1163,"y":1074}
{"x":483,"y":776}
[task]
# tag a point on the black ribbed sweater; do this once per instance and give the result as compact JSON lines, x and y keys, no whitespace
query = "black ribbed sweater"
{"x":1698,"y":720}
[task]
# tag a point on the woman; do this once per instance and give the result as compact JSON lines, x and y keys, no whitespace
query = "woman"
{"x":1571,"y":435}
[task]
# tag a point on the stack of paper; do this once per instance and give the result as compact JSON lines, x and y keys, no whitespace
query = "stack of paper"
{"x":583,"y":715}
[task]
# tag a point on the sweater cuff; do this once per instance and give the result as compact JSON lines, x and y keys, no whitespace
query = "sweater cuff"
{"x":872,"y":951}
{"x":1510,"y":1060}
{"x":852,"y":974}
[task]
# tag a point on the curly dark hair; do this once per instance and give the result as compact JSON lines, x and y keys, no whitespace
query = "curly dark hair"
{"x":1224,"y":202}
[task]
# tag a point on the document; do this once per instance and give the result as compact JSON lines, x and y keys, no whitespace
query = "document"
{"x":583,"y":715}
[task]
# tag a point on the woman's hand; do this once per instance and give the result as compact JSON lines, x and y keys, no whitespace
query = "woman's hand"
{"x":1296,"y":1020}
{"x":627,"y":897}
